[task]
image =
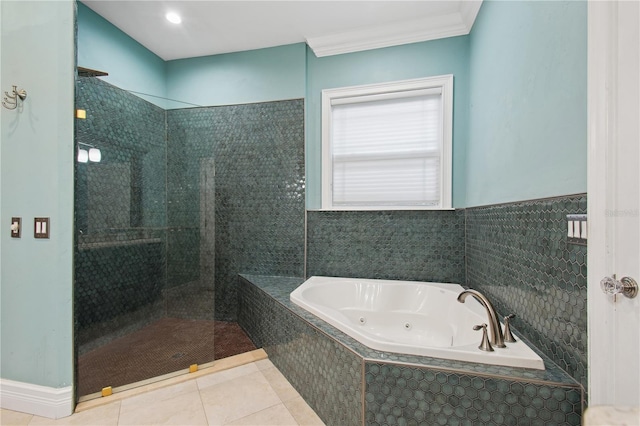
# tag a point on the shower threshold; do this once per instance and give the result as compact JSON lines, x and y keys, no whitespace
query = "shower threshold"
{"x":87,"y":402}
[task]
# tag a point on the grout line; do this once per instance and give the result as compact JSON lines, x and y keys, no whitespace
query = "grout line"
{"x":202,"y":402}
{"x":119,"y":413}
{"x":260,"y":411}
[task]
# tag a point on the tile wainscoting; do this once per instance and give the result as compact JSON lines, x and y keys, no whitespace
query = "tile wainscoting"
{"x":399,"y":245}
{"x":518,"y":256}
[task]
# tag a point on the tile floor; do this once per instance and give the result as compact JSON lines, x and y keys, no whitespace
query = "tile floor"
{"x":251,"y":394}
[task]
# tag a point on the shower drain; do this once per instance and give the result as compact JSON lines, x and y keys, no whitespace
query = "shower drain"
{"x":177,"y":355}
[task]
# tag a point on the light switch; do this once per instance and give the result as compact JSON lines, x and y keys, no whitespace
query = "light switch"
{"x":16,"y":227}
{"x":41,"y":227}
{"x":577,"y":229}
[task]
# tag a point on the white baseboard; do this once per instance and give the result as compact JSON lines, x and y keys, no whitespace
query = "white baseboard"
{"x":43,"y":401}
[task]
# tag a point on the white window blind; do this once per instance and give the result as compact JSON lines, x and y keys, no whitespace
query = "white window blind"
{"x":387,"y":149}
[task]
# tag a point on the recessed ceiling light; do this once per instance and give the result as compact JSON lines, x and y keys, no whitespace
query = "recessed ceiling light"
{"x":173,"y":17}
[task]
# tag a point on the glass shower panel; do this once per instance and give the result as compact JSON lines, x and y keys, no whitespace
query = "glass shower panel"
{"x":143,"y":287}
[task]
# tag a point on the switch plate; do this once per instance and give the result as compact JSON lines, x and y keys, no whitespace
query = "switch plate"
{"x":16,"y":227}
{"x":578,"y":224}
{"x":41,"y":228}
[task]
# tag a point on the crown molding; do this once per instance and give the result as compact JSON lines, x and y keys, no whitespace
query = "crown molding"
{"x":418,"y":30}
{"x":469,"y":12}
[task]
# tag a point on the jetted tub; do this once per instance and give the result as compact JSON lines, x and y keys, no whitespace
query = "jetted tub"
{"x":409,"y":317}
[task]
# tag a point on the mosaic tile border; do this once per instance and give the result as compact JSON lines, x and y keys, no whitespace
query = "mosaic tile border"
{"x":531,"y":388}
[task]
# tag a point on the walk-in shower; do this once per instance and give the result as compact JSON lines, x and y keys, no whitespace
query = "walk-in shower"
{"x":144,"y":259}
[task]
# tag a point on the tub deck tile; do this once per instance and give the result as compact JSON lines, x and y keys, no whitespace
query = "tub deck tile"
{"x":349,"y":384}
{"x":279,"y":289}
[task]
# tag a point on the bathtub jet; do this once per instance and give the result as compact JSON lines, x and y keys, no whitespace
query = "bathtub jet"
{"x":408,"y":317}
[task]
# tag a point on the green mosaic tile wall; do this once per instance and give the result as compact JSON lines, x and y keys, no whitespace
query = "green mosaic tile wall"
{"x":258,"y":150}
{"x":119,"y":213}
{"x":518,"y":256}
{"x":127,"y":187}
{"x":408,"y":395}
{"x":400,"y":245}
{"x":149,"y":188}
{"x":327,"y":375}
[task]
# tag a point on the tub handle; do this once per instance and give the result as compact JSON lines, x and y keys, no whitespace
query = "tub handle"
{"x":484,"y":345}
{"x":508,"y":336}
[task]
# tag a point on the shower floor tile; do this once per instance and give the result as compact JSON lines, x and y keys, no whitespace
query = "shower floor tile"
{"x":165,"y":346}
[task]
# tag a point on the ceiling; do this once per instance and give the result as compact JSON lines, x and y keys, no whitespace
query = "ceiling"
{"x":329,"y":27}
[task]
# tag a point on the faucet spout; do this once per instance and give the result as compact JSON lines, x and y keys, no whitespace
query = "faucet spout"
{"x":497,"y":338}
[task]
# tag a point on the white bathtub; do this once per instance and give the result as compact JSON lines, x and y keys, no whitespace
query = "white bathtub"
{"x":408,"y":317}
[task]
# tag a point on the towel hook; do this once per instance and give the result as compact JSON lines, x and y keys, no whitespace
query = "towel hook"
{"x":10,"y":100}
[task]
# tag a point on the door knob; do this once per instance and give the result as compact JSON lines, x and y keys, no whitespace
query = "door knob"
{"x":626,"y":286}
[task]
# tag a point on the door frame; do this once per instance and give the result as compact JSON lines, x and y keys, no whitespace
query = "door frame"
{"x":602,"y":102}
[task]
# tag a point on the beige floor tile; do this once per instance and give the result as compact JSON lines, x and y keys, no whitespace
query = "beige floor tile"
{"x":183,"y":409}
{"x":303,"y":414}
{"x":237,"y":398}
{"x":226,"y":375}
{"x":14,"y":418}
{"x":251,"y":394}
{"x":280,"y":384}
{"x":278,"y":415}
{"x":103,"y":416}
{"x":263,"y":364}
{"x":161,"y":394}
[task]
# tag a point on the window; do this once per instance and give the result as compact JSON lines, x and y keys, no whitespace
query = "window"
{"x":388,"y":146}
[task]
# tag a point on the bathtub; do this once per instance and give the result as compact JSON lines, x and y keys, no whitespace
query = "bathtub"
{"x":408,"y":317}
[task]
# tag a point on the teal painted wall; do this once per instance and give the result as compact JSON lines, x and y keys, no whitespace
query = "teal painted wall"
{"x":276,"y":73}
{"x":528,"y":116}
{"x":36,"y":169}
{"x":520,"y":92}
{"x":131,"y":66}
{"x":446,"y":56}
{"x":271,"y":74}
{"x":522,"y":71}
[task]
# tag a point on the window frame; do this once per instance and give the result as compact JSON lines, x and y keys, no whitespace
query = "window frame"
{"x":442,"y":82}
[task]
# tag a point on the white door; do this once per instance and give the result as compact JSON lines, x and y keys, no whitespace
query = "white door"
{"x":613,"y":200}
